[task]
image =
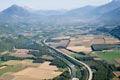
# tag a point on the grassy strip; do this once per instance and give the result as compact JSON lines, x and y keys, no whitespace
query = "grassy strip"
{"x":75,"y":55}
{"x":62,"y":69}
{"x":109,"y":55}
{"x":1,"y":62}
{"x":10,"y":69}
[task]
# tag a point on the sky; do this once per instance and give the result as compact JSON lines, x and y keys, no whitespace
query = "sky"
{"x":51,"y":4}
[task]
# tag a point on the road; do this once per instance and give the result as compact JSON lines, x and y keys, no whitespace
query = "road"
{"x":82,"y":63}
{"x":71,"y":67}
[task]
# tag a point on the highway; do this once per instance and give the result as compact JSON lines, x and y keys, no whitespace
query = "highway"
{"x":73,"y":59}
{"x":71,"y":67}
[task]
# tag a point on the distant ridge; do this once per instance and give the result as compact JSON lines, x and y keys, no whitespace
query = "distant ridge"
{"x":89,"y":14}
{"x":16,"y":10}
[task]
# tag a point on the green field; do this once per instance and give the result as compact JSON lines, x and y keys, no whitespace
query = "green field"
{"x":1,"y":61}
{"x":10,"y":69}
{"x":75,"y":55}
{"x":62,"y":69}
{"x":78,"y":44}
{"x":109,"y":55}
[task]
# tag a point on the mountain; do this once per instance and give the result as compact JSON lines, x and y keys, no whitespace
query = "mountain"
{"x":50,"y":12}
{"x":80,"y":12}
{"x":17,"y":18}
{"x":15,"y":10}
{"x":88,"y":14}
{"x":95,"y":14}
{"x":112,"y":17}
{"x":107,"y":7}
{"x":113,"y":30}
{"x":116,"y":32}
{"x":13,"y":14}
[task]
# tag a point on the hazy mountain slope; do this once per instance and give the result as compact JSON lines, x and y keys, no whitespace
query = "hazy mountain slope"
{"x":112,"y":17}
{"x":50,"y":12}
{"x":113,"y":30}
{"x":96,"y":14}
{"x":13,"y":14}
{"x":107,"y":7}
{"x":16,"y":10}
{"x":89,"y":14}
{"x":80,"y":12}
{"x":116,"y":32}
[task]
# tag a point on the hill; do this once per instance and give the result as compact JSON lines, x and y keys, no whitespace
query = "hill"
{"x":112,"y":17}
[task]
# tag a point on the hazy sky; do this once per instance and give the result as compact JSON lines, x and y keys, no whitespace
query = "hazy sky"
{"x":51,"y":4}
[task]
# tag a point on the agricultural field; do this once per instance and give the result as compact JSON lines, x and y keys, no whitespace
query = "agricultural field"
{"x":23,"y":53}
{"x":61,"y":37}
{"x":14,"y":66}
{"x":81,"y":43}
{"x":5,"y":52}
{"x":47,"y":57}
{"x":20,"y":63}
{"x":111,"y":41}
{"x":117,"y":73}
{"x":115,"y":78}
{"x":98,"y":41}
{"x":111,"y":57}
{"x":1,"y":62}
{"x":71,"y":53}
{"x":117,"y":60}
{"x":105,"y":43}
{"x":10,"y":69}
{"x":63,"y":43}
{"x":76,"y":55}
{"x":66,"y":51}
{"x":44,"y":71}
{"x":26,"y":70}
{"x":54,"y":44}
{"x":80,"y":49}
{"x":21,"y":50}
{"x":102,"y":47}
{"x":85,"y":43}
{"x":82,"y":40}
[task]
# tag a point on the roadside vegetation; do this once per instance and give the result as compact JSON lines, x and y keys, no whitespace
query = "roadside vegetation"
{"x":64,"y":76}
{"x":100,"y":68}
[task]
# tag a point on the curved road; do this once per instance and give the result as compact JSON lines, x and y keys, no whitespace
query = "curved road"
{"x":71,"y":67}
{"x":85,"y":65}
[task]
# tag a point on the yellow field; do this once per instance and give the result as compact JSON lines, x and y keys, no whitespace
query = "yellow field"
{"x":21,"y":50}
{"x":2,"y":67}
{"x":81,"y":43}
{"x":80,"y":48}
{"x":98,"y":41}
{"x":40,"y":72}
{"x":118,"y":60}
{"x":21,"y":53}
{"x":117,"y":73}
{"x":111,"y":40}
{"x":115,"y":78}
{"x":66,"y":51}
{"x":44,"y":71}
{"x":1,"y":79}
{"x":20,"y":62}
{"x":62,"y":37}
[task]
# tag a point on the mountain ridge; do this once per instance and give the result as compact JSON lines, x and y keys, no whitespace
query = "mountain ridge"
{"x":78,"y":15}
